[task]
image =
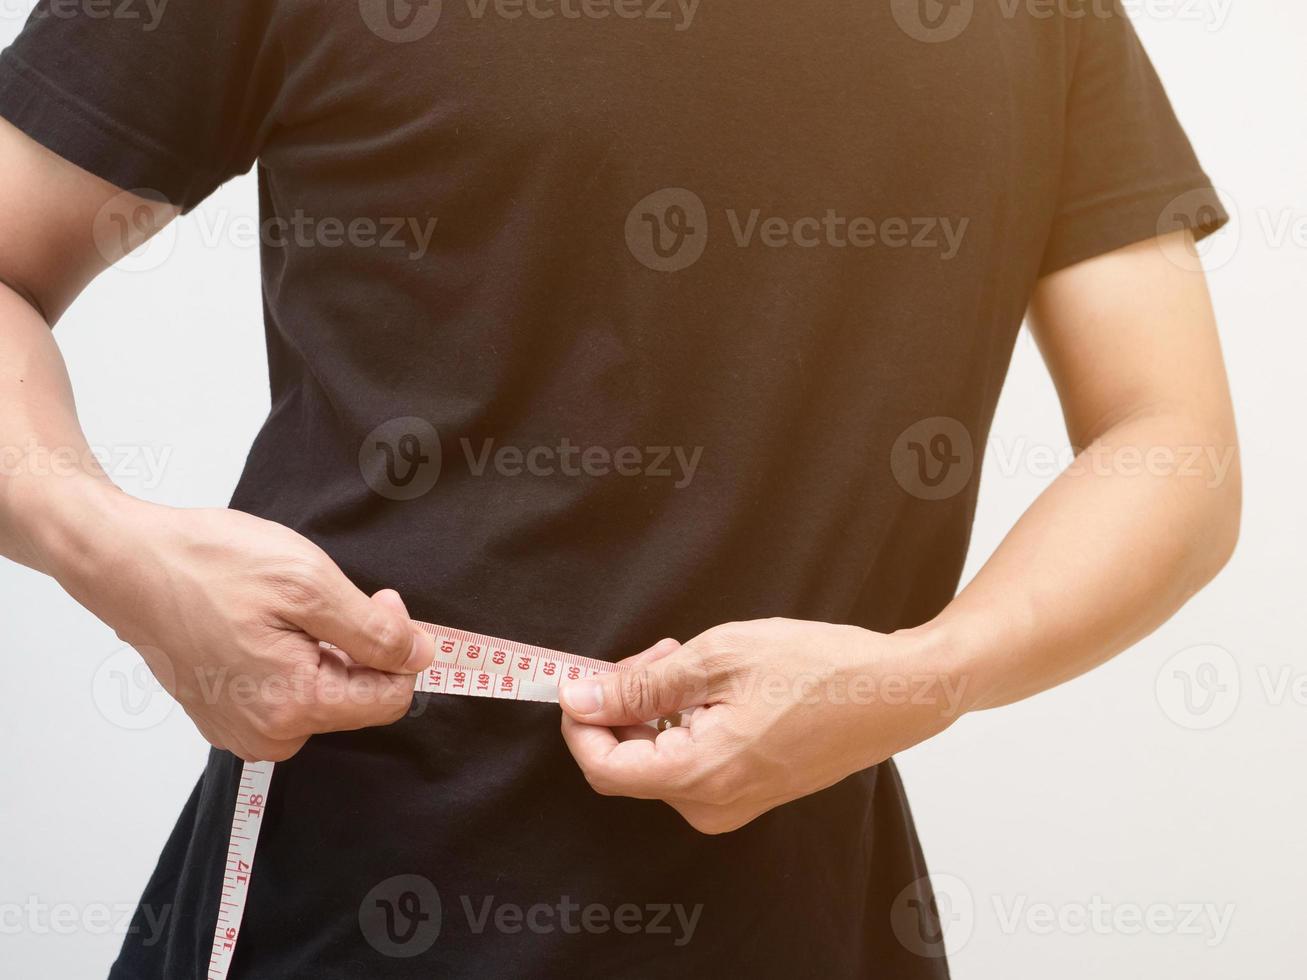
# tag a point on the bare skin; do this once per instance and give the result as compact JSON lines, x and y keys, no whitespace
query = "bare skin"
{"x":1144,"y":519}
{"x":226,"y":609}
{"x":780,"y":708}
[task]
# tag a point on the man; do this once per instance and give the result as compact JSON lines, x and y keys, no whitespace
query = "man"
{"x":695,"y":329}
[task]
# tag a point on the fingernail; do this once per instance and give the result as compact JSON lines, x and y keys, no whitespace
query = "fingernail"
{"x":583,"y":697}
{"x":419,"y":659}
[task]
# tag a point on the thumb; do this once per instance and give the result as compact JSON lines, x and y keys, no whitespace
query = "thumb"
{"x":423,"y":649}
{"x":374,"y":632}
{"x":647,"y":691}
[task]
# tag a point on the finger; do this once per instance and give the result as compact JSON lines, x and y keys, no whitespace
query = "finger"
{"x":587,"y":741}
{"x":656,"y":652}
{"x":708,"y":818}
{"x":249,"y":744}
{"x":348,"y":697}
{"x":210,"y":731}
{"x":375,"y":632}
{"x":717,"y":818}
{"x":257,"y":749}
{"x":426,"y":642}
{"x":646,"y":769}
{"x":630,"y":697}
{"x":229,"y":739}
{"x":625,"y":733}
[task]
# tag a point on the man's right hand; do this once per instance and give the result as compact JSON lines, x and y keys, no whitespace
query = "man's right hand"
{"x":227,"y":611}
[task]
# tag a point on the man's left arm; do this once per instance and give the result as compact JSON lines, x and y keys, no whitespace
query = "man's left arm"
{"x":1150,"y":511}
{"x":1144,"y":518}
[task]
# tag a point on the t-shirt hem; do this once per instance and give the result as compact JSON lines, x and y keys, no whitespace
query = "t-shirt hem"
{"x":1123,"y":219}
{"x":97,"y":144}
{"x":118,"y":972}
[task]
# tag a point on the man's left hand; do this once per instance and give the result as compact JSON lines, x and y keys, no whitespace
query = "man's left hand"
{"x":770,"y":711}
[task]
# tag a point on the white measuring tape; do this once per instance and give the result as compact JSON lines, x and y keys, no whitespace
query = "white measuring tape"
{"x":466,"y":664}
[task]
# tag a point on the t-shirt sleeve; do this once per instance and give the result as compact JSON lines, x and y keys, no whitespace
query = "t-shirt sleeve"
{"x":173,"y":100}
{"x":1129,"y":172}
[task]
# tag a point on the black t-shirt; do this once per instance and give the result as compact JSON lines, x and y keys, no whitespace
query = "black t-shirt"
{"x":590,"y":323}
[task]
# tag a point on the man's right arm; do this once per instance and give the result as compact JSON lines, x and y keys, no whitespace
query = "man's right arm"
{"x":49,"y":212}
{"x":210,"y":598}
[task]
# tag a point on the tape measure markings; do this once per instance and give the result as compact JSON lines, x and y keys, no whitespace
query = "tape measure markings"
{"x":513,"y":671}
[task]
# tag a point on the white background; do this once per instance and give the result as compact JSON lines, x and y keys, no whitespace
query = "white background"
{"x":1051,"y":826}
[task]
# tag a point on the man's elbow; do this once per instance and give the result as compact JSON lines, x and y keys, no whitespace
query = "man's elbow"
{"x":27,"y":295}
{"x":1223,"y":516}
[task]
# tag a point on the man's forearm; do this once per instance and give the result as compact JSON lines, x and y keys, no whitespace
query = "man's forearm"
{"x":52,"y":491}
{"x":1146,"y":516}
